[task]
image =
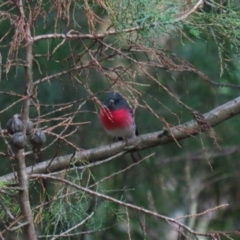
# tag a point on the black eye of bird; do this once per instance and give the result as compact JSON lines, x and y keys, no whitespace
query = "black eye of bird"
{"x":116,"y":101}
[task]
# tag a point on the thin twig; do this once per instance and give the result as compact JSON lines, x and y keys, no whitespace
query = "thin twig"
{"x":76,"y":226}
{"x":128,"y":205}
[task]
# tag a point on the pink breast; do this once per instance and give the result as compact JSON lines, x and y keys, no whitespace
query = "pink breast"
{"x":120,"y":118}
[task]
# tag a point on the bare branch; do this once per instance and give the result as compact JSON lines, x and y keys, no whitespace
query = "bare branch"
{"x":72,"y":34}
{"x":204,"y":212}
{"x":199,"y":155}
{"x":76,"y":35}
{"x":76,"y":226}
{"x":19,"y":154}
{"x":77,"y":233}
{"x":214,"y":117}
{"x":184,"y":15}
{"x":62,"y":73}
{"x":128,"y":205}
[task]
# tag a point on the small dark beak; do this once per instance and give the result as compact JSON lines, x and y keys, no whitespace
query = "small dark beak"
{"x":111,"y":103}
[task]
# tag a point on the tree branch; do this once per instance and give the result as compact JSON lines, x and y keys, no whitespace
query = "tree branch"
{"x":71,"y":35}
{"x":56,"y":75}
{"x":74,"y":227}
{"x":214,"y":117}
{"x":185,"y":14}
{"x":76,"y":35}
{"x":19,"y":154}
{"x":171,"y":221}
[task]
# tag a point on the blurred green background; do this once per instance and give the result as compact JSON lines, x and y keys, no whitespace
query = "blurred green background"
{"x":178,"y":180}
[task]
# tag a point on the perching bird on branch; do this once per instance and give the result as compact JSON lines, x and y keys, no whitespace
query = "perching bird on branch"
{"x":118,"y":120}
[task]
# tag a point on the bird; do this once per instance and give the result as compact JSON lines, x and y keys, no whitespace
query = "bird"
{"x":117,"y":119}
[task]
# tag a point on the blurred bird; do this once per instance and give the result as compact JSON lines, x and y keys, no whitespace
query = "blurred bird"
{"x":117,"y":119}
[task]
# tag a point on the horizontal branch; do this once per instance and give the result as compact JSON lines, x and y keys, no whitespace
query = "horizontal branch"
{"x":214,"y":117}
{"x":71,"y":35}
{"x":56,"y":75}
{"x":200,"y":155}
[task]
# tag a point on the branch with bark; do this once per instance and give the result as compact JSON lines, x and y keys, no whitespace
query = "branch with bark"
{"x":22,"y":178}
{"x":79,"y":66}
{"x":171,"y":221}
{"x":71,"y":35}
{"x":176,"y":133}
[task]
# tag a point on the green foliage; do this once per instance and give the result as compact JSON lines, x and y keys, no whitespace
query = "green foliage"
{"x":208,"y":39}
{"x":8,"y":203}
{"x":156,"y":19}
{"x":153,"y":18}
